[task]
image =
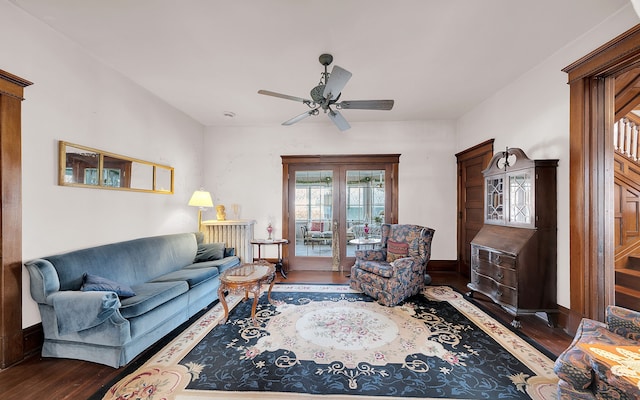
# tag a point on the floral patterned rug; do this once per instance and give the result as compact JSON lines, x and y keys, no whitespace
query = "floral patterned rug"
{"x":332,"y":342}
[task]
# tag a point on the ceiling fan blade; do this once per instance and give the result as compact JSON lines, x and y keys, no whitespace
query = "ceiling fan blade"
{"x":336,"y":82}
{"x":366,"y":104}
{"x":284,"y":96}
{"x":300,"y":117}
{"x":339,"y":120}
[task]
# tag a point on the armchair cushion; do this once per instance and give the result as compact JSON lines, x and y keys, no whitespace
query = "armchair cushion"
{"x":396,"y":250}
{"x":383,"y":269}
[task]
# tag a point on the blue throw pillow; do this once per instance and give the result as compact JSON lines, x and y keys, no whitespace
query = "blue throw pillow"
{"x":94,"y":283}
{"x":210,"y":252}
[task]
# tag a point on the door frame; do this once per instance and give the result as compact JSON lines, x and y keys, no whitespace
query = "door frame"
{"x":484,"y":150}
{"x":11,"y":335}
{"x":388,"y":162}
{"x":591,"y":91}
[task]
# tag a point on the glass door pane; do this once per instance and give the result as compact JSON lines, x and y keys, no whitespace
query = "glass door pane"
{"x":313,"y":213}
{"x":494,"y":210}
{"x":364,"y":208}
{"x":520,"y":198}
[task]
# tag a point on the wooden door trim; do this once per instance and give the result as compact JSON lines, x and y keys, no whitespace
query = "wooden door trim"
{"x":591,"y":170}
{"x":11,"y":336}
{"x":475,"y":151}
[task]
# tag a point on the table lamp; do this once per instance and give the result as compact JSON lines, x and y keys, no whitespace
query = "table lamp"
{"x":202,"y":199}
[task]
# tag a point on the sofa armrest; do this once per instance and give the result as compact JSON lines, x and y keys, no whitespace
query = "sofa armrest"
{"x":76,"y":310}
{"x":623,"y":322}
{"x":573,"y":365}
{"x":43,"y":279}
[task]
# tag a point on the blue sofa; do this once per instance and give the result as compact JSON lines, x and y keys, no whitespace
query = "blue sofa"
{"x":107,"y":304}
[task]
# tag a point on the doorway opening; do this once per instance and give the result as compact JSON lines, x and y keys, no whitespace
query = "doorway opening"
{"x":592,"y":105}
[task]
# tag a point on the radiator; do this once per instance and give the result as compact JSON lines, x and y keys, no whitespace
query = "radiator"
{"x":236,"y":234}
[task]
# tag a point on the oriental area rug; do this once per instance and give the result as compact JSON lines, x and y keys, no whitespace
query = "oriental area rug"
{"x":331,"y":342}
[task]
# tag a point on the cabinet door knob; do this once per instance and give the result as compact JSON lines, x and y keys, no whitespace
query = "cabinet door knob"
{"x":500,"y":275}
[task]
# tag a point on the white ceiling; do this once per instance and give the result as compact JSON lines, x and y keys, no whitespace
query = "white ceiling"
{"x":436,"y":58}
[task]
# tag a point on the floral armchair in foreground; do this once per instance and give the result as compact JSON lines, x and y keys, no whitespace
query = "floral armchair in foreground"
{"x":603,"y":361}
{"x":397,"y":269}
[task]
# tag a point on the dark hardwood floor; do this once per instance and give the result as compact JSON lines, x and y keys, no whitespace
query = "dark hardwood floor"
{"x":46,"y":378}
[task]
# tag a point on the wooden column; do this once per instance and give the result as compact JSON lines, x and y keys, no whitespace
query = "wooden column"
{"x":11,"y":338}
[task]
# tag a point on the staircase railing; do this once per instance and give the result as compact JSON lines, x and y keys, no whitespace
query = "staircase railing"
{"x":625,"y":138}
{"x":626,"y":184}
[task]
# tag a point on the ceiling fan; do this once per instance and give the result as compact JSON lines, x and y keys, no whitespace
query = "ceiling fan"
{"x":325,"y":97}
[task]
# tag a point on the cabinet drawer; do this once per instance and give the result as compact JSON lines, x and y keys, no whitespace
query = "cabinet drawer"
{"x":503,"y":260}
{"x":494,"y":257}
{"x":499,"y":293}
{"x":506,"y":295}
{"x":504,"y":276}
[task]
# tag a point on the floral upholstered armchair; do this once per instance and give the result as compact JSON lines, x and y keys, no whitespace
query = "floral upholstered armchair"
{"x":397,"y":269}
{"x":603,"y":361}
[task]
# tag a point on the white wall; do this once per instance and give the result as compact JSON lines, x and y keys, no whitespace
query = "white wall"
{"x":532,"y":113}
{"x":77,"y":99}
{"x":243,"y":166}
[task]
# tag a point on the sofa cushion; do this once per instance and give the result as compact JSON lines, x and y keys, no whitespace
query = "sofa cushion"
{"x":222,"y":264}
{"x":193,"y":276}
{"x":209,"y":252}
{"x":150,"y":295}
{"x":95,"y":283}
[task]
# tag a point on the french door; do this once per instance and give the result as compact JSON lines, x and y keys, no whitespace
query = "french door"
{"x":334,"y":205}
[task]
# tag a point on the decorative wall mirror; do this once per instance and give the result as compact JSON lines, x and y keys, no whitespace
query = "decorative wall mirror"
{"x":83,"y":166}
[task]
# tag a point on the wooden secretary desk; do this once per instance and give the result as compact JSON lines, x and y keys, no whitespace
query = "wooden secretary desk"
{"x":514,"y":255}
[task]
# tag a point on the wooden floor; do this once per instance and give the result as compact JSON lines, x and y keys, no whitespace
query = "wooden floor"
{"x":39,"y":378}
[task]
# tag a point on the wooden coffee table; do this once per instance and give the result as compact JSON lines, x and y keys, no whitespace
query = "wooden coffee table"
{"x":247,"y":278}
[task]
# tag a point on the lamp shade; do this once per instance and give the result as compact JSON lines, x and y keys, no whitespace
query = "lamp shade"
{"x":201,"y":198}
